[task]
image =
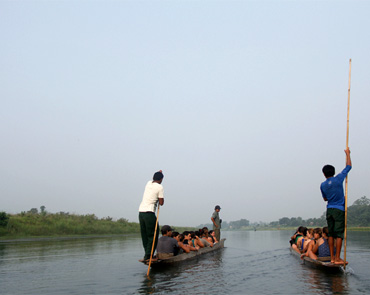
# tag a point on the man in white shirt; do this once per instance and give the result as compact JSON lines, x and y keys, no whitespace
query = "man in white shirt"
{"x":153,"y":194}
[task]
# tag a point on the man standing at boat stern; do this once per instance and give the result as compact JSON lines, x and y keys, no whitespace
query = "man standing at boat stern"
{"x":153,"y":194}
{"x":216,"y":222}
{"x":332,"y":192}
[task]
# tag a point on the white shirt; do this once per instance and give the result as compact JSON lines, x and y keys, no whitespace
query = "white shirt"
{"x":153,"y":191}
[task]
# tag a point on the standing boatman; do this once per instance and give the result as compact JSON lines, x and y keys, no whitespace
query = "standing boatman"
{"x":153,"y":195}
{"x":332,"y":192}
{"x":217,"y":222}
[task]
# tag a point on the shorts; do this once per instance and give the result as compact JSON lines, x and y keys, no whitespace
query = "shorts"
{"x":335,"y":219}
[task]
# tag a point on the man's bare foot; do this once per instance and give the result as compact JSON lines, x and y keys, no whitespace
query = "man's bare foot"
{"x":303,"y":256}
{"x":340,"y":262}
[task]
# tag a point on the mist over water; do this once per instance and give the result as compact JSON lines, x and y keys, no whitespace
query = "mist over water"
{"x":251,"y":263}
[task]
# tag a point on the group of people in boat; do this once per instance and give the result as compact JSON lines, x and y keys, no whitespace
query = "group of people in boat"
{"x":173,"y":243}
{"x":327,"y":241}
{"x":311,"y":242}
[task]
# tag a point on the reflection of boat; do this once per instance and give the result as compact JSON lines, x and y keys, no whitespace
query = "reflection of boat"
{"x":320,"y":263}
{"x":186,"y":256}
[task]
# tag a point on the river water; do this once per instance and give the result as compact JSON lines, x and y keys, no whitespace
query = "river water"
{"x":251,"y":263}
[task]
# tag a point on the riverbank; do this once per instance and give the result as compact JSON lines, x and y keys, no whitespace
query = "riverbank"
{"x":26,"y":226}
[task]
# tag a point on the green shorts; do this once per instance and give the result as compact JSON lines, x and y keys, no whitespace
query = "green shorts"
{"x":335,"y":219}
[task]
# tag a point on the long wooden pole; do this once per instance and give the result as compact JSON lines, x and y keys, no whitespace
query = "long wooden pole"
{"x":154,"y":238}
{"x":346,"y":183}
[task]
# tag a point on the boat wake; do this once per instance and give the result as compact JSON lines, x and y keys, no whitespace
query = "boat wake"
{"x":348,"y":270}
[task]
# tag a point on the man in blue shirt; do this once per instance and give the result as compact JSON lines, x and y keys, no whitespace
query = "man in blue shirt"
{"x":332,"y":192}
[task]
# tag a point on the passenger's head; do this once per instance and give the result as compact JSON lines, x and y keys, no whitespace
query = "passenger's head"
{"x":181,"y":237}
{"x":205,"y":230}
{"x":317,"y":233}
{"x":304,"y":231}
{"x":165,"y":230}
{"x":174,"y":234}
{"x":328,"y":170}
{"x":197,"y":233}
{"x":325,"y":231}
{"x":301,"y":229}
{"x":310,"y":232}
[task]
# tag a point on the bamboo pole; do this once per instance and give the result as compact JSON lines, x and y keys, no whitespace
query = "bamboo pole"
{"x":154,"y":238}
{"x":346,"y":182}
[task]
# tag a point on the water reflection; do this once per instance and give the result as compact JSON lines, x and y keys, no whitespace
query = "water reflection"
{"x":197,"y":273}
{"x":324,"y":283}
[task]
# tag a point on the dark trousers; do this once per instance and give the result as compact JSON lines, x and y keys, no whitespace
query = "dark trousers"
{"x":147,"y":227}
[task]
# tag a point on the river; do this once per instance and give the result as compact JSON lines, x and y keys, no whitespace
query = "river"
{"x":251,"y":263}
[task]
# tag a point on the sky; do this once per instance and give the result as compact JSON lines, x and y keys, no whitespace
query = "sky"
{"x":240,"y":103}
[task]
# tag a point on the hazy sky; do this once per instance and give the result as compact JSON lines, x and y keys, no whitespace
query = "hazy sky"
{"x":240,"y":103}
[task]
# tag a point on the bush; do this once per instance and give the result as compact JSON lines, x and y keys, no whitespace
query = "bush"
{"x":4,"y":219}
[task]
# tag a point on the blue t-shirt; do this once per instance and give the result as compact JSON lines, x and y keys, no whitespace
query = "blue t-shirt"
{"x":332,"y":189}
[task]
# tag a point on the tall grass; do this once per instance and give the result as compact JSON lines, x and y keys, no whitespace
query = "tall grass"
{"x":61,"y":224}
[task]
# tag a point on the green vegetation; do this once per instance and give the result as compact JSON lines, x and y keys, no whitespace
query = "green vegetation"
{"x":358,"y":218}
{"x":33,"y":224}
{"x":40,"y":224}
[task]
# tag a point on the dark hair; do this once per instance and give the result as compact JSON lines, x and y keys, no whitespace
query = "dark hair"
{"x":185,"y":233}
{"x":158,"y":176}
{"x":174,"y":234}
{"x":301,"y":229}
{"x":328,"y":171}
{"x":318,"y":231}
{"x":325,"y":230}
{"x":181,"y":237}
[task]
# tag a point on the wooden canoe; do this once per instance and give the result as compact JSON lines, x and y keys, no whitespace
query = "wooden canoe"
{"x":187,"y":256}
{"x":322,"y":263}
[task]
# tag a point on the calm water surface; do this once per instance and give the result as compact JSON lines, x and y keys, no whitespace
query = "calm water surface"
{"x":252,"y":263}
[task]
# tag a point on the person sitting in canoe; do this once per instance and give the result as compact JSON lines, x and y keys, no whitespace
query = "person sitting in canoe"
{"x":167,"y":246}
{"x":212,"y":234}
{"x":180,"y":239}
{"x":308,"y":239}
{"x":308,"y":244}
{"x":321,"y":247}
{"x":193,"y":240}
{"x":303,"y":242}
{"x":297,"y":238}
{"x":184,"y":241}
{"x":206,"y":236}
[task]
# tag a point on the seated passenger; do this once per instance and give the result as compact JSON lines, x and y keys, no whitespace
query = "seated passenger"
{"x":195,"y":240}
{"x":321,"y":247}
{"x":213,"y":236}
{"x":298,"y":233}
{"x":206,"y":238}
{"x":180,"y":238}
{"x":299,"y":239}
{"x":167,"y":246}
{"x":308,"y":240}
{"x":185,"y":237}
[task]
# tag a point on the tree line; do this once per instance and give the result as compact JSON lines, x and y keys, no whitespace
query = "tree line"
{"x":358,"y":215}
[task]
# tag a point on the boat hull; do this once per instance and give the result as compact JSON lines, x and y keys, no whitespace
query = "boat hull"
{"x":322,"y":263}
{"x":187,"y":256}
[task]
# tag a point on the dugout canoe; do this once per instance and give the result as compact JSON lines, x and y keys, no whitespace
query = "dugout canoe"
{"x":187,"y":256}
{"x":322,"y":263}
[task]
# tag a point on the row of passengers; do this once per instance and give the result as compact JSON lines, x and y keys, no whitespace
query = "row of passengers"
{"x":311,"y":243}
{"x":173,"y":243}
